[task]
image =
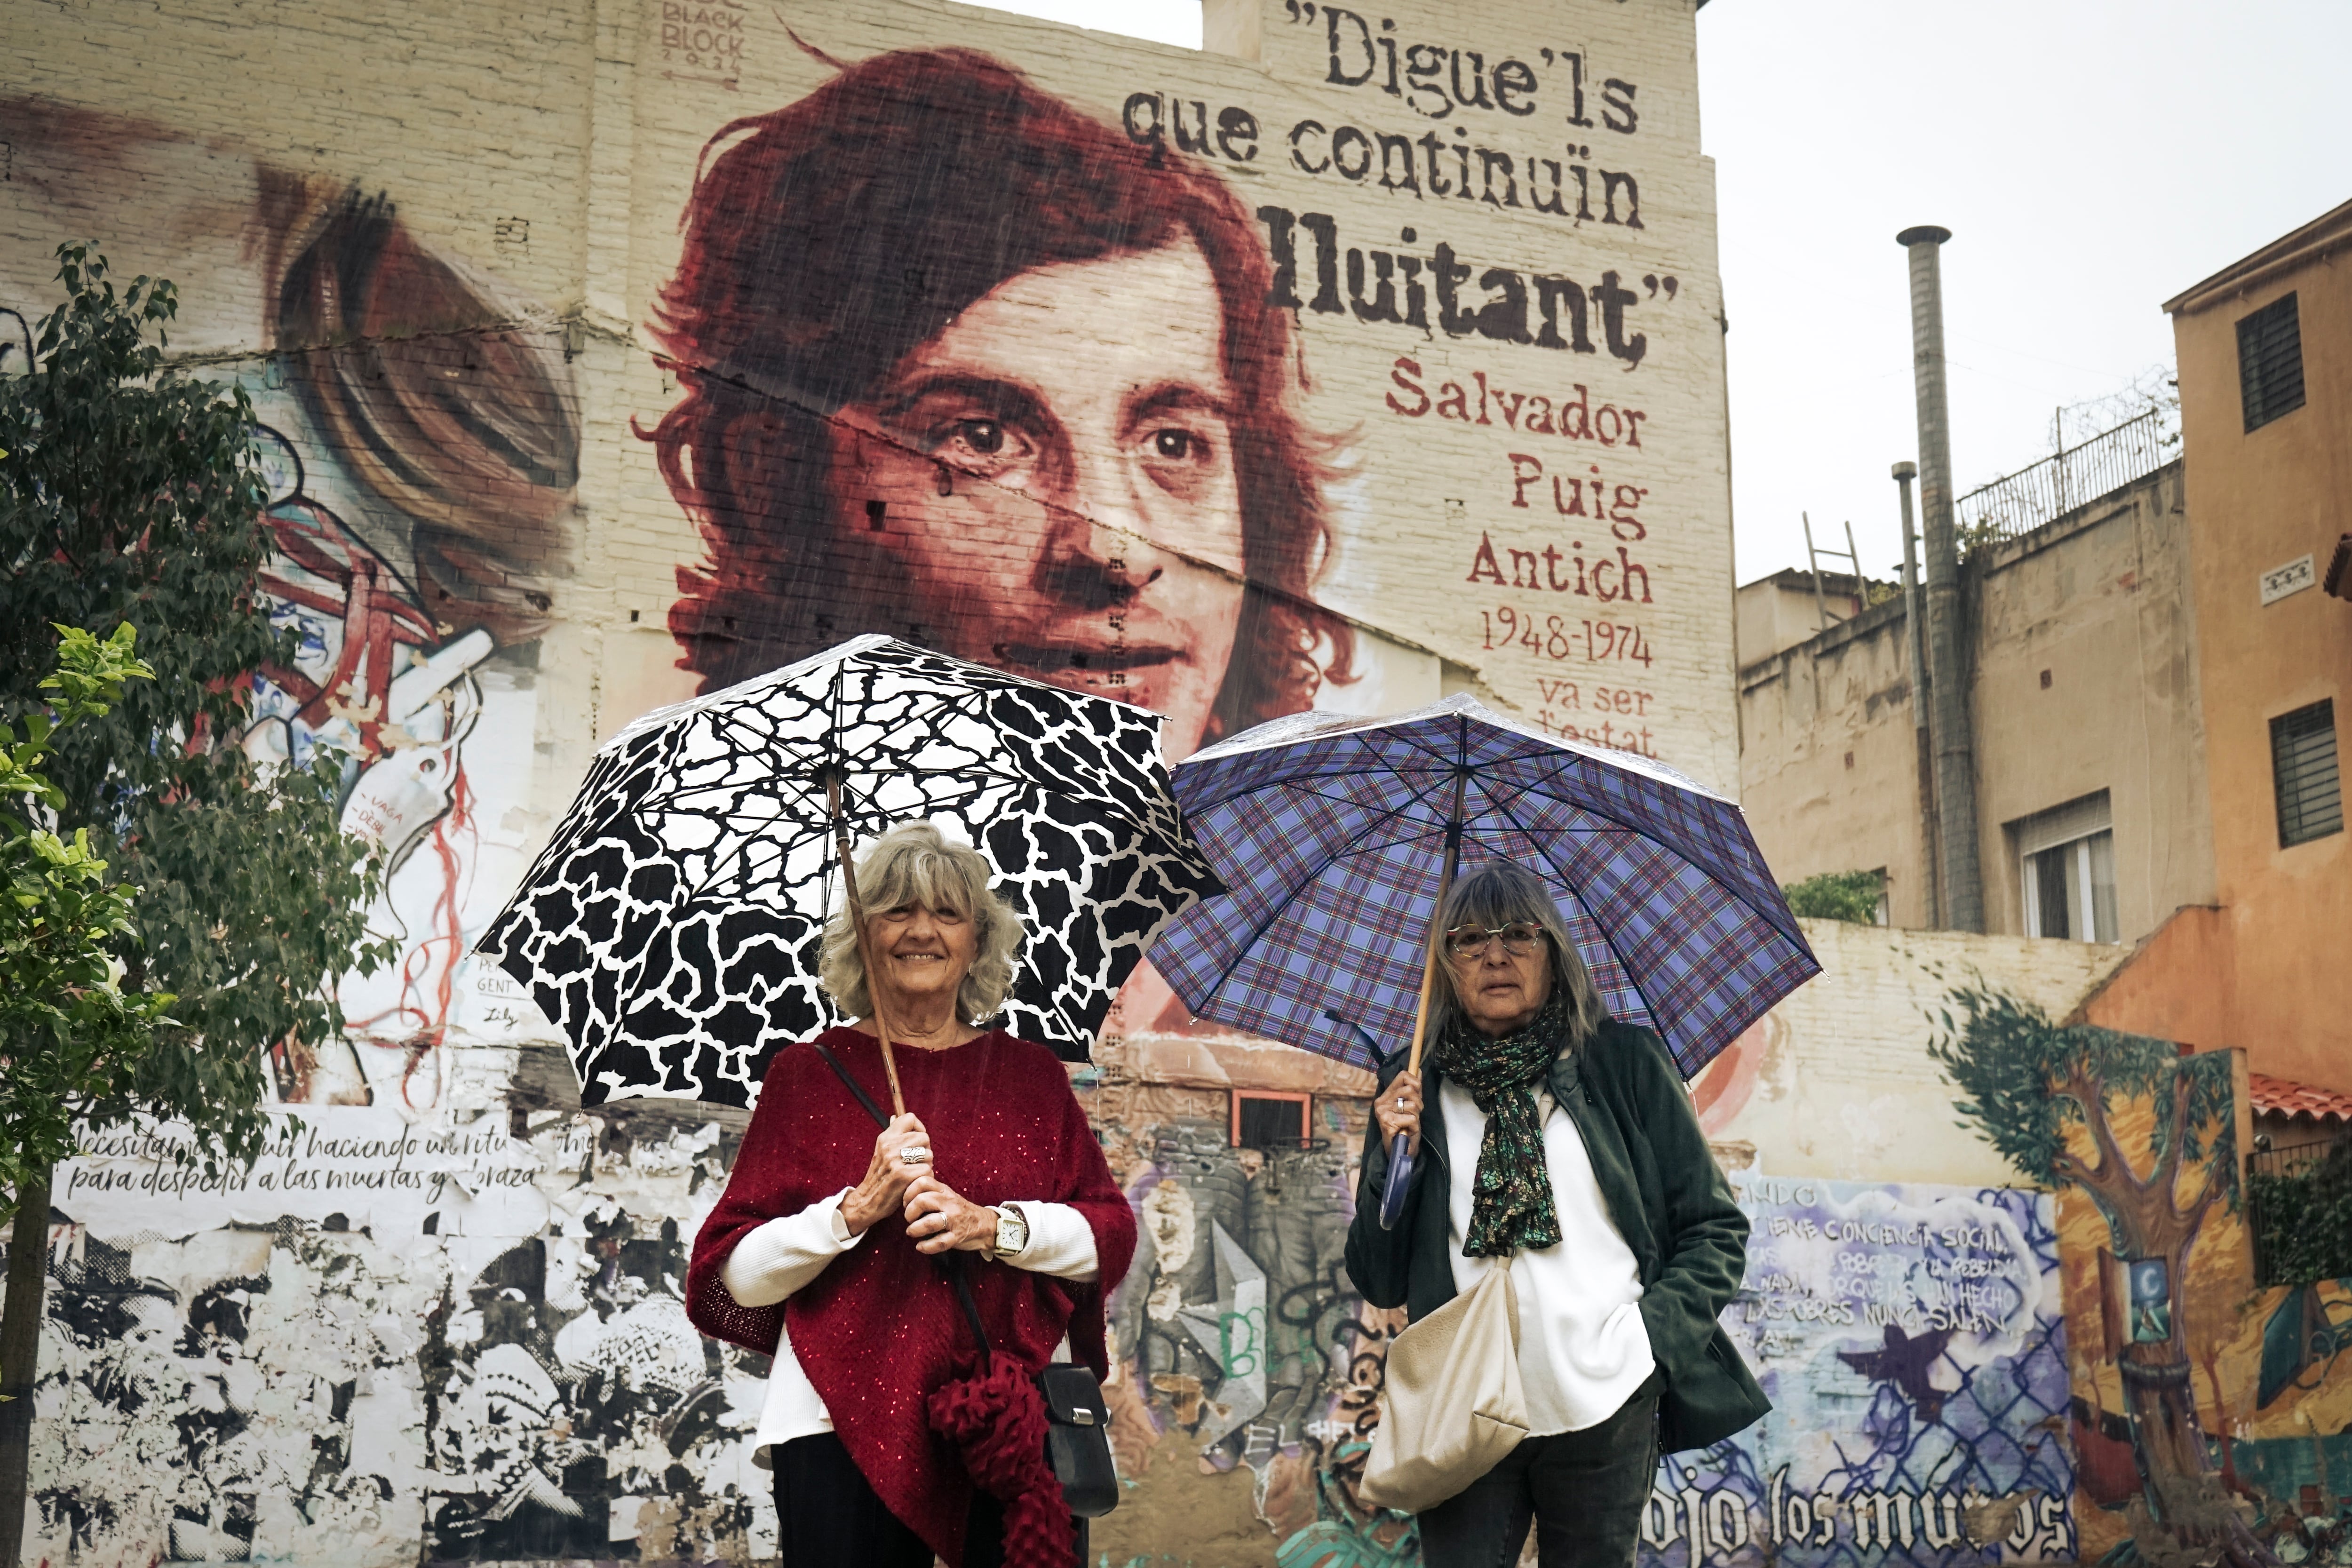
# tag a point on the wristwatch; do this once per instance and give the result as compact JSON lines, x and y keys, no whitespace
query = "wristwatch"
{"x":1011,"y":1231}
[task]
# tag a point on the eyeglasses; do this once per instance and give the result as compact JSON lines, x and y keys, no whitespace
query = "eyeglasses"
{"x":1520,"y":938}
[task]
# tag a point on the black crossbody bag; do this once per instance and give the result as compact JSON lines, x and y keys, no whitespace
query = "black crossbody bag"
{"x":1078,"y":1422}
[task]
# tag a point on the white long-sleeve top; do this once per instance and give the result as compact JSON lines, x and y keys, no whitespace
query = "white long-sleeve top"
{"x":1583,"y":1349}
{"x":786,"y":1255}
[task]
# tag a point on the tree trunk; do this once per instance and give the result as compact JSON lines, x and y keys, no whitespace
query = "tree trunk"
{"x":2181,"y":1491}
{"x":20,"y":1355}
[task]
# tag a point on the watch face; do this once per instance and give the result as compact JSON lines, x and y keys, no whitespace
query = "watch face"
{"x":1011,"y":1231}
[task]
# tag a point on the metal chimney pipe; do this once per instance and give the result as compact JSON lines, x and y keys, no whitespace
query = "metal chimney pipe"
{"x":1921,"y":695}
{"x":1956,"y":790}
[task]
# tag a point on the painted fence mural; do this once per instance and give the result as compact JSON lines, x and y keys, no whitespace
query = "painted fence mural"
{"x":2296,"y":1450}
{"x":2208,"y":1418}
{"x":1912,"y":1342}
{"x":473,"y":1338}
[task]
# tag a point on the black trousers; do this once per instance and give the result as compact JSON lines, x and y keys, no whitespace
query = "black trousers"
{"x":828,"y":1517}
{"x":1584,"y":1492}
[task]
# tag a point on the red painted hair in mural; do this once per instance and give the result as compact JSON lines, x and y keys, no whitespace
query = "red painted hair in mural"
{"x":827,"y":240}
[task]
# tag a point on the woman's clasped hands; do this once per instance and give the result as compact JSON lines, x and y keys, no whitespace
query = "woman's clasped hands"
{"x":898,"y":1179}
{"x":902,"y":1153}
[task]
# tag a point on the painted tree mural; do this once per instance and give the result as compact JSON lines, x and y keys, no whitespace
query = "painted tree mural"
{"x":2050,"y":1098}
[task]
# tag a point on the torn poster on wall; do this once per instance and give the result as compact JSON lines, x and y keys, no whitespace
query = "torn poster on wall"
{"x":1912,"y":1341}
{"x":390,"y":1335}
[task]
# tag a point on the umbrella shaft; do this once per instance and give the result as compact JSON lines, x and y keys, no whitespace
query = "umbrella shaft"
{"x":1436,"y":916}
{"x":865,"y":946}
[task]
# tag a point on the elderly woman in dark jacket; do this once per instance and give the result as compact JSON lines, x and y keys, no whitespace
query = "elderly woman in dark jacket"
{"x":1564,"y":1148}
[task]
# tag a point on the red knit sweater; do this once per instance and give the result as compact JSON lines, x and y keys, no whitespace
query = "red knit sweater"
{"x":880,"y":1329}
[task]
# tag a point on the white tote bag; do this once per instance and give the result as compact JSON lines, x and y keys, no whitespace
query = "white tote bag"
{"x":1453,"y":1405}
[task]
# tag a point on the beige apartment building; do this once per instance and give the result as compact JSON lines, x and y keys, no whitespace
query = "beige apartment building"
{"x":2155,"y":676}
{"x":2089,"y":742}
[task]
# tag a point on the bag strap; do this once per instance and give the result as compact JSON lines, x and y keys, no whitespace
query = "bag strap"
{"x":850,"y":1083}
{"x":952,"y":1261}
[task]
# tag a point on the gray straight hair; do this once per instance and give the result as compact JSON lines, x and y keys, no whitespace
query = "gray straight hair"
{"x":915,"y":863}
{"x":1498,"y":894}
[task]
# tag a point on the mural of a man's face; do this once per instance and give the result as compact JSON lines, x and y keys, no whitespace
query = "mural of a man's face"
{"x":1053,"y":475}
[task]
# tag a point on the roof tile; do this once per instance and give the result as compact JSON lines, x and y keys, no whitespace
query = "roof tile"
{"x":2283,"y":1097}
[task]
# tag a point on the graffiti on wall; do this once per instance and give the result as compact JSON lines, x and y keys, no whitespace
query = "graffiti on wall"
{"x":2294,"y":1449}
{"x":1004,"y":349}
{"x":1911,"y":1340}
{"x":228,"y":1394}
{"x":1243,"y":1355}
{"x":419,"y":440}
{"x":1025,"y":373}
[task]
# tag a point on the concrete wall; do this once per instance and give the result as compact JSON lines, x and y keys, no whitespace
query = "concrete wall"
{"x":2262,"y":499}
{"x":1835,"y":1082}
{"x":2085,"y":647}
{"x":1781,"y":611}
{"x":2100,"y":602}
{"x":1828,"y":765}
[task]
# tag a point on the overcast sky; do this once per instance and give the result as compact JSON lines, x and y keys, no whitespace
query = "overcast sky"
{"x":2091,"y":158}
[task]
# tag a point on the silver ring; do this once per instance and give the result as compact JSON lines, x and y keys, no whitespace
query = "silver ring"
{"x":914,"y":1154}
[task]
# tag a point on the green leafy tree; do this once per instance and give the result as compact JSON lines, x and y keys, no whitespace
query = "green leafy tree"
{"x":1837,"y":896}
{"x":74,"y":1037}
{"x":131,"y":493}
{"x":2025,"y":1083}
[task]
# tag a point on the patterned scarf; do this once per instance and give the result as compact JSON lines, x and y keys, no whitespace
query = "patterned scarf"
{"x":1510,"y":1195}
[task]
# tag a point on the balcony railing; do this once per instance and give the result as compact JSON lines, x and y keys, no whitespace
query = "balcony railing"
{"x":2022,"y":501}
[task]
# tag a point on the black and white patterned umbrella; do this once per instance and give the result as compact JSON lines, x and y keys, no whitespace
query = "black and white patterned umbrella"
{"x":671,"y":927}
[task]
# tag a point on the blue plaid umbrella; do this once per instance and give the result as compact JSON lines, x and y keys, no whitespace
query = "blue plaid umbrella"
{"x":1335,"y":834}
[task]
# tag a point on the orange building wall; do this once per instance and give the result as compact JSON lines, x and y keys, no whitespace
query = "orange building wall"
{"x":2181,"y":985}
{"x":2256,"y":501}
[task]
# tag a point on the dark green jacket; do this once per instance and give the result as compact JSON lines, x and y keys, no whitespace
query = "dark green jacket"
{"x":1664,"y":1190}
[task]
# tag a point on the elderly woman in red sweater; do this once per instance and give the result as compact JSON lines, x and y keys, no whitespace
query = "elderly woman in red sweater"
{"x":827,"y":1249}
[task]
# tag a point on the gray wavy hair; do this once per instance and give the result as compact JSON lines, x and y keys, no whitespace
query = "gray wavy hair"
{"x":1498,"y":894}
{"x":915,"y":863}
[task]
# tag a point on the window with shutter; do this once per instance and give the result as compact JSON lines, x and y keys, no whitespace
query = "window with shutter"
{"x":2303,"y":763}
{"x":2270,"y":361}
{"x":2067,"y":860}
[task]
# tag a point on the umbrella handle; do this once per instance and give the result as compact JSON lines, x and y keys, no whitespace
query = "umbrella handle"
{"x":1400,"y":1178}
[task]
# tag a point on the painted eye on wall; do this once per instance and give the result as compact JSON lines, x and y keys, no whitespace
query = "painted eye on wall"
{"x":985,"y":437}
{"x":1175,"y":445}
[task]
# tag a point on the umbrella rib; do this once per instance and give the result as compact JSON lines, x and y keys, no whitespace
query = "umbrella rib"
{"x":1335,"y":771}
{"x":1335,"y":768}
{"x":1277,"y":911}
{"x":1379,"y":813}
{"x":1682,"y":848}
{"x":1598,"y":923}
{"x":1418,"y":792}
{"x":1395,"y":812}
{"x":1274,"y":913}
